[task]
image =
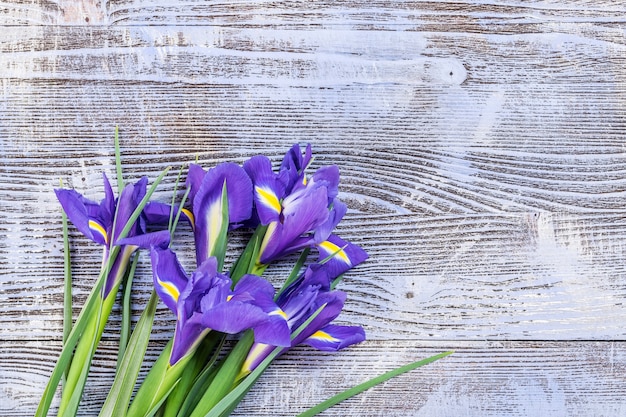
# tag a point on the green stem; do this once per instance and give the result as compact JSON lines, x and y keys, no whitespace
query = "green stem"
{"x":225,"y":379}
{"x":248,"y":260}
{"x":126,"y":312}
{"x":118,"y":161}
{"x":84,"y":353}
{"x":117,"y":400}
{"x":67,"y":287}
{"x":158,"y":384}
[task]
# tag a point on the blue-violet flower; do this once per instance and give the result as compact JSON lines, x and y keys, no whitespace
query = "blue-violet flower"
{"x":298,"y":211}
{"x":204,"y":301}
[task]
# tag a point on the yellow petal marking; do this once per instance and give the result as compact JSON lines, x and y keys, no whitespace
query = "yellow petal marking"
{"x":190,"y":216}
{"x":170,"y":289}
{"x":278,"y":312}
{"x":268,"y":199}
{"x":321,"y":335}
{"x":335,"y":250}
{"x":97,"y":227}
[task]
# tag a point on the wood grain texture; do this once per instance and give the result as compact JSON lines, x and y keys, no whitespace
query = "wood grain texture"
{"x":481,"y":378}
{"x":481,"y":145}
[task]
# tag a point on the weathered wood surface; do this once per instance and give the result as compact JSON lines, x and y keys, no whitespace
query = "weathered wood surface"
{"x":483,"y":157}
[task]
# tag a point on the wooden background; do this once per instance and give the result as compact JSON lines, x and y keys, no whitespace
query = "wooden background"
{"x":483,"y":157}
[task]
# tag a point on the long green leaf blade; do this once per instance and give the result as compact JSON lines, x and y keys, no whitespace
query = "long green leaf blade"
{"x":67,"y":281}
{"x":195,"y":375}
{"x":226,"y":375}
{"x":83,"y":354}
{"x":117,"y":401}
{"x":369,"y":384}
{"x":118,"y":161}
{"x":68,"y":349}
{"x":126,"y":313}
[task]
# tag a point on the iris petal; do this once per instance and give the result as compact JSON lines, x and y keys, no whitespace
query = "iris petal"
{"x":332,"y":249}
{"x":343,"y":255}
{"x":127,"y":203}
{"x":233,"y":317}
{"x":207,"y":204}
{"x":195,"y":175}
{"x":294,"y":165}
{"x":76,"y":208}
{"x":335,"y":214}
{"x":187,"y":336}
{"x":159,"y":213}
{"x":169,"y":277}
{"x":268,"y":199}
{"x":333,"y":337}
{"x":98,"y":229}
{"x":269,"y":188}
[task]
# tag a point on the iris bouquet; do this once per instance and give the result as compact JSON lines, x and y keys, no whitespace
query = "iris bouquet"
{"x":291,"y":214}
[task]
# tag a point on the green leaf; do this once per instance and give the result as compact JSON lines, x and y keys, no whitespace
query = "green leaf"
{"x":72,"y":405}
{"x":201,"y":384}
{"x":246,"y":261}
{"x":225,"y":378}
{"x":65,"y":357}
{"x":195,"y":375}
{"x":148,"y":390}
{"x":126,"y":312}
{"x":67,"y":282}
{"x":118,"y":162}
{"x":158,"y":405}
{"x":295,"y":272}
{"x":158,"y":384}
{"x":117,"y":401}
{"x":369,"y":384}
{"x":85,"y":349}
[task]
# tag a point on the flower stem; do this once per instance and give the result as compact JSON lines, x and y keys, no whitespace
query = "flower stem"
{"x":67,"y":287}
{"x":159,"y":383}
{"x":126,"y":312}
{"x":225,"y":379}
{"x":83,"y":354}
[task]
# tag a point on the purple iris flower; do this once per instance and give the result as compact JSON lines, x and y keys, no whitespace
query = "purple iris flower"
{"x":298,"y":211}
{"x":204,"y":301}
{"x":294,"y":165}
{"x":211,"y":218}
{"x":299,"y":301}
{"x":96,"y":221}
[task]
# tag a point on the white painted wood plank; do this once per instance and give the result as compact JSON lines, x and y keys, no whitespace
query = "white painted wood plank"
{"x":467,"y":276}
{"x":320,"y":57}
{"x":576,"y":379}
{"x":468,"y":15}
{"x":388,"y":180}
